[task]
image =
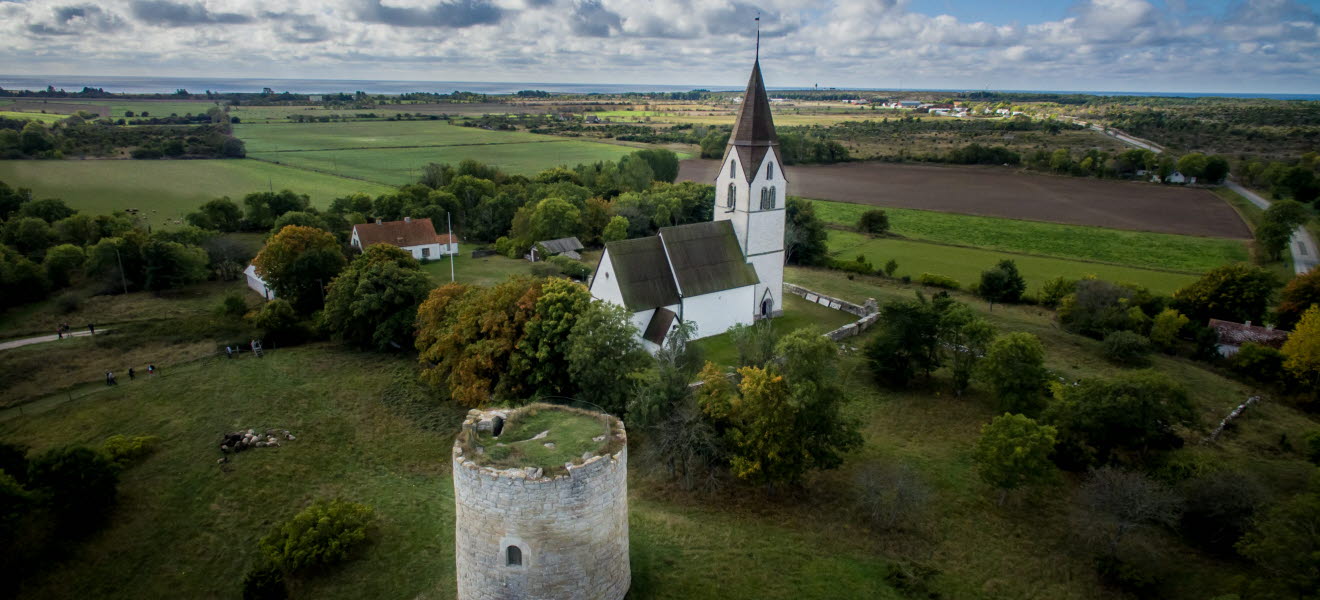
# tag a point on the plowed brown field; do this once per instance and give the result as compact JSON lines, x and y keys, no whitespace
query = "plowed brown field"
{"x":999,"y":192}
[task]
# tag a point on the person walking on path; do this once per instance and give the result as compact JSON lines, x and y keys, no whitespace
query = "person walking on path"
{"x":110,"y":378}
{"x":131,"y":374}
{"x":59,"y":331}
{"x":91,"y":328}
{"x":151,"y":370}
{"x":229,"y":351}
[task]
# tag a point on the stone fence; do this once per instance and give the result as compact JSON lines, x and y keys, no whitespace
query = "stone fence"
{"x":869,"y":312}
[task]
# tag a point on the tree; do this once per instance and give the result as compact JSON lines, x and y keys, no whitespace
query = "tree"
{"x":1237,"y":292}
{"x":1127,"y":348}
{"x":117,"y":261}
{"x":34,"y":139}
{"x":1302,"y":350}
{"x":1220,"y":507}
{"x":20,"y":278}
{"x":279,"y":322}
{"x":874,"y":222}
{"x":712,"y":145}
{"x":1193,"y":164}
{"x":554,"y":218}
{"x":542,"y":357}
{"x":297,"y":262}
{"x":1216,"y":169}
{"x":663,"y":163}
{"x":964,"y":337}
{"x":29,"y":235}
{"x":301,"y":218}
{"x":1014,"y":368}
{"x":62,"y":263}
{"x":1014,"y":451}
{"x":264,"y":207}
{"x":1053,"y":291}
{"x":1127,"y":417}
{"x":80,"y":485}
{"x":78,"y":229}
{"x":604,"y":356}
{"x":1164,"y":331}
{"x":804,"y":235}
{"x":373,"y":302}
{"x":1301,"y":293}
{"x":49,"y":210}
{"x":1002,"y":283}
{"x":169,"y":265}
{"x":1277,"y":226}
{"x":1286,"y":543}
{"x":1114,"y":504}
{"x":907,"y":343}
{"x":616,"y":230}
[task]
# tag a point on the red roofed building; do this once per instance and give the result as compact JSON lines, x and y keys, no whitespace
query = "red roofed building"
{"x":417,"y":236}
{"x":1233,"y":335}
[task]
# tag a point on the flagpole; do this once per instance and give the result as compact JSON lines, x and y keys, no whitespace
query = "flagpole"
{"x":450,"y":221}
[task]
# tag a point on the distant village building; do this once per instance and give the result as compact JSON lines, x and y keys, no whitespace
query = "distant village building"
{"x":569,"y":246}
{"x":257,"y":284}
{"x":417,"y":236}
{"x":719,"y":274}
{"x":1233,"y":335}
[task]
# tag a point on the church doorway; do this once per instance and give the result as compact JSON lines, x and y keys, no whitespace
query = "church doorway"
{"x":767,"y":306}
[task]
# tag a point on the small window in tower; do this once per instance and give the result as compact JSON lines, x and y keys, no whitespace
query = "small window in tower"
{"x":733,"y":165}
{"x":512,"y":556}
{"x":772,"y":197}
{"x":765,"y":193}
{"x":770,"y":170}
{"x":733,"y":194}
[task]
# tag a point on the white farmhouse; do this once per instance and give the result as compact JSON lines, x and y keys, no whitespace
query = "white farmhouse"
{"x":715,"y":275}
{"x":417,"y":236}
{"x":257,"y":284}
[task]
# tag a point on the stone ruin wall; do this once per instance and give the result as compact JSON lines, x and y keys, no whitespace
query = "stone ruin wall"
{"x":572,"y":529}
{"x":869,"y":313}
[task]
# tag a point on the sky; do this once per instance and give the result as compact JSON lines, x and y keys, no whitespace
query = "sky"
{"x":1224,"y":46}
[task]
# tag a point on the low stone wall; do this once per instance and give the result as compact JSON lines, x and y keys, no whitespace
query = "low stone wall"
{"x":869,"y":312}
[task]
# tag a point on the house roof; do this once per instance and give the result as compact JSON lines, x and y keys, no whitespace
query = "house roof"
{"x":412,"y":232}
{"x":643,"y":273}
{"x":706,"y":258}
{"x":754,"y":130}
{"x":561,"y":245}
{"x":1236,"y":334}
{"x":659,"y":326}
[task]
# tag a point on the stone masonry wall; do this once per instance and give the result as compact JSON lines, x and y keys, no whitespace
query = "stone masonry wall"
{"x":869,"y":312}
{"x":572,"y":530}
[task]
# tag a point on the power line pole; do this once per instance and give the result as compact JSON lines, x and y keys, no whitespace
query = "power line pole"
{"x":452,"y":249}
{"x":122,"y":278}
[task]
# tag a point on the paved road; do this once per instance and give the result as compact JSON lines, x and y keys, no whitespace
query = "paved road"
{"x":42,"y":338}
{"x":1302,"y":245}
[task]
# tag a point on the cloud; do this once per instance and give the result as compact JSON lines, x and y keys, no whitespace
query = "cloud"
{"x":77,"y":19}
{"x":592,"y":19}
{"x":181,"y":14}
{"x":456,"y":14}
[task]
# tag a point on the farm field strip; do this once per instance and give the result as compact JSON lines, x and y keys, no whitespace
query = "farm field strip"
{"x":1129,"y":248}
{"x":966,"y":264}
{"x":370,"y":134}
{"x":407,"y":147}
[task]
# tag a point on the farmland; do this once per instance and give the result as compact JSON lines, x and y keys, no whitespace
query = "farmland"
{"x":394,"y":152}
{"x":997,"y":192}
{"x":168,"y":189}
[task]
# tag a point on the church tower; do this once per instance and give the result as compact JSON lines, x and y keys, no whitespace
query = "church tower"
{"x":752,"y":192}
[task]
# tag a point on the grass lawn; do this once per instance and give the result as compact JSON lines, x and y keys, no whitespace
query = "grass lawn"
{"x":372,"y":134}
{"x":187,"y":527}
{"x":571,"y":433}
{"x":166,"y":190}
{"x":488,"y":270}
{"x":1130,"y":248}
{"x":798,"y":313}
{"x":966,"y":264}
{"x":31,"y":116}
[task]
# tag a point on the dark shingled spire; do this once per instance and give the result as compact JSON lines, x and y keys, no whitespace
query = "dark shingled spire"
{"x":754,"y":131}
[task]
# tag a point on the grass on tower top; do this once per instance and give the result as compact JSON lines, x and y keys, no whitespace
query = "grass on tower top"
{"x":571,"y":432}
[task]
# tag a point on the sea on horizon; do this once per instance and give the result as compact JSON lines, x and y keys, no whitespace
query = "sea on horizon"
{"x":165,"y":85}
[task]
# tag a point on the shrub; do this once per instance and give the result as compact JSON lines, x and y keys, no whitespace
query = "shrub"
{"x":233,"y":305}
{"x":1166,"y":327}
{"x":1014,"y":367}
{"x":546,"y":269}
{"x":502,"y":246}
{"x":1262,"y":363}
{"x":1055,"y":290}
{"x":264,"y":583}
{"x":1313,"y":446}
{"x":1002,"y":283}
{"x":124,"y":450}
{"x":874,"y":222}
{"x":79,"y":484}
{"x":860,"y":265}
{"x":1127,"y":349}
{"x":14,"y":503}
{"x":572,"y":268}
{"x":1096,"y":308}
{"x":939,"y":281}
{"x":68,"y":302}
{"x":1218,"y":509}
{"x":890,"y":267}
{"x":322,"y":534}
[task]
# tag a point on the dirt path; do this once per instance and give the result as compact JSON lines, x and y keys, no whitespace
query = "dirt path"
{"x":1000,"y":192}
{"x":44,"y":338}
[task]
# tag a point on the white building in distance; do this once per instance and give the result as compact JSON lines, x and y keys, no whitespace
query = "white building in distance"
{"x":715,"y":275}
{"x":417,"y":236}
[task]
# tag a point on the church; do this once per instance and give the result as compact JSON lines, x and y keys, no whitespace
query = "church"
{"x":714,"y":275}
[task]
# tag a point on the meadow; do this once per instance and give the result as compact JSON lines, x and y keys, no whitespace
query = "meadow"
{"x":1129,"y":248}
{"x":166,"y":190}
{"x":487,"y":270}
{"x":965,"y":264}
{"x":186,"y":526}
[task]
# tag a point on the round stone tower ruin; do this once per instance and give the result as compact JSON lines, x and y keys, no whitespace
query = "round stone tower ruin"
{"x":526,"y":528}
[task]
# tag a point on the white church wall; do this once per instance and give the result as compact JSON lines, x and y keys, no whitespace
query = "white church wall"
{"x":770,"y":270}
{"x":767,"y":231}
{"x":605,"y":284}
{"x":738,"y":216}
{"x":716,"y":312}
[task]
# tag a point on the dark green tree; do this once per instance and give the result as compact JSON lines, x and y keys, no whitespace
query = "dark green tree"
{"x":1123,"y":419}
{"x":907,"y":342}
{"x":805,"y":237}
{"x":1002,"y":283}
{"x":1014,"y":368}
{"x":874,"y":222}
{"x":49,"y":210}
{"x":1237,"y":292}
{"x":373,"y":302}
{"x":605,"y":357}
{"x":297,"y":263}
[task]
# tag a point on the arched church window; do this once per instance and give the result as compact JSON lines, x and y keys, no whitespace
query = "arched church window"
{"x":765,"y":198}
{"x":770,"y":170}
{"x":733,"y":165}
{"x":513,"y":556}
{"x":772,"y":197}
{"x":733,"y":195}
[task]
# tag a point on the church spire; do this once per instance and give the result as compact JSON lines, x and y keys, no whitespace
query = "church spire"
{"x":754,"y":126}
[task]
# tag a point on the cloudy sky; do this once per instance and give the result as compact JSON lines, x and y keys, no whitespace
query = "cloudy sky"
{"x":1106,"y":45}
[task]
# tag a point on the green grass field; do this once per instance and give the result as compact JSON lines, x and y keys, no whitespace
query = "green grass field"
{"x":966,"y":264}
{"x":31,"y":116}
{"x":798,"y":313}
{"x":168,"y":189}
{"x":1130,"y":248}
{"x":373,"y":134}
